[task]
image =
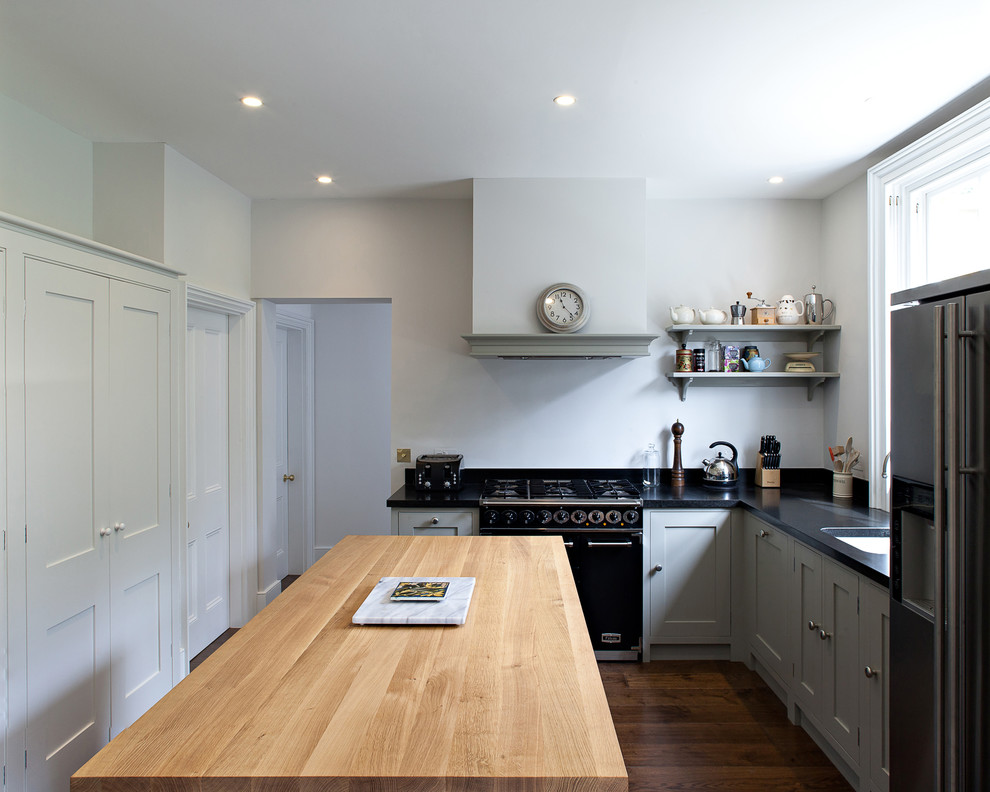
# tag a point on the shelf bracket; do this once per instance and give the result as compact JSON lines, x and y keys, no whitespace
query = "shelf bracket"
{"x":812,"y":384}
{"x":682,"y":386}
{"x":814,"y":338}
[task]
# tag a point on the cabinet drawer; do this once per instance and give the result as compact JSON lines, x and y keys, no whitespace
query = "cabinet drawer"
{"x":427,"y":522}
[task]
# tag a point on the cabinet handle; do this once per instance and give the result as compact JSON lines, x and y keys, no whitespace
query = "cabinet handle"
{"x":870,"y":673}
{"x":435,"y":520}
{"x":568,"y":544}
{"x":119,"y":527}
{"x":764,"y":534}
{"x":812,"y":626}
{"x":658,"y":568}
{"x":105,"y":530}
{"x":290,"y":477}
{"x":609,"y":544}
{"x":824,"y":635}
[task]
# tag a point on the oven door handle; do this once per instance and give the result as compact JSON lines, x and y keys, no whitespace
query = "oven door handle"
{"x":610,"y":544}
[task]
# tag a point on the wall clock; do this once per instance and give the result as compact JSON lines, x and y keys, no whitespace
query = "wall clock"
{"x":562,"y":308}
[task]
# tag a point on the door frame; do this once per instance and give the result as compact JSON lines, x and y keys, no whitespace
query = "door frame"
{"x":305,"y":328}
{"x":242,"y":455}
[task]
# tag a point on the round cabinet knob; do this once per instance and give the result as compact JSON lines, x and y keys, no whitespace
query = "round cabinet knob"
{"x":105,"y":530}
{"x":870,"y":673}
{"x":764,"y":534}
{"x":435,"y":520}
{"x":824,"y":635}
{"x":812,"y":626}
{"x":119,"y":527}
{"x":658,"y":568}
{"x":290,"y":477}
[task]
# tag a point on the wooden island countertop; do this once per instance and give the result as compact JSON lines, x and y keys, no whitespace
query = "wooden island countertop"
{"x":301,"y":699}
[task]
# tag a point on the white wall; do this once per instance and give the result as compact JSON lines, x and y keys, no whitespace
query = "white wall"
{"x":207,"y":228}
{"x":550,"y":413}
{"x":532,"y":233}
{"x":845,"y":261}
{"x":129,"y":197}
{"x":353,"y":347}
{"x":46,"y":171}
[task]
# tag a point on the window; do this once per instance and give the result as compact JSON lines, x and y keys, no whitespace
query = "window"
{"x":929,"y":220}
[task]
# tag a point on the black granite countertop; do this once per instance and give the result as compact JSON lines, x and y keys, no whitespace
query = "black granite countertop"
{"x":800,"y":509}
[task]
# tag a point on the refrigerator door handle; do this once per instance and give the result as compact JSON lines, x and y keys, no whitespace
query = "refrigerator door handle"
{"x":939,"y":515}
{"x":952,"y":566}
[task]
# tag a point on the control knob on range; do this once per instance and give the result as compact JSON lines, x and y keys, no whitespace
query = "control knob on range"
{"x":527,"y":517}
{"x":561,"y":516}
{"x":509,"y":517}
{"x":612,"y":516}
{"x":489,"y":517}
{"x":631,"y":517}
{"x":597,"y":516}
{"x":544,"y":517}
{"x":578,"y":516}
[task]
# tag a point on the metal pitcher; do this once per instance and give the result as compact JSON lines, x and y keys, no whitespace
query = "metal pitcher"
{"x":815,"y":310}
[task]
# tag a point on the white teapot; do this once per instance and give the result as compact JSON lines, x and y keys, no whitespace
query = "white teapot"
{"x":682,"y":315}
{"x":713,"y":316}
{"x":789,"y":311}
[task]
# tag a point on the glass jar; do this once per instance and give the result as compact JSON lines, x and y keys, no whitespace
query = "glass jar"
{"x":651,"y":466}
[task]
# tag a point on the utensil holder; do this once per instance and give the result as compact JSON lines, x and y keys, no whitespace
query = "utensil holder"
{"x":842,"y":485}
{"x":766,"y":478}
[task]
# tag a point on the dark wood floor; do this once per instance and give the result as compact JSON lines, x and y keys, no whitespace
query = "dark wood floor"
{"x":700,"y":726}
{"x":712,"y":726}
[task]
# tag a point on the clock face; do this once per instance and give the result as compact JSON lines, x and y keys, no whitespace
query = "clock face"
{"x":562,"y":308}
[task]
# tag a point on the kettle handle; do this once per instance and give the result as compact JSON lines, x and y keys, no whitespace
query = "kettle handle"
{"x":730,"y":446}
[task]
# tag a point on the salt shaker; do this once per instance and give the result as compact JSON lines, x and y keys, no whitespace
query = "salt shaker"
{"x":651,"y":466}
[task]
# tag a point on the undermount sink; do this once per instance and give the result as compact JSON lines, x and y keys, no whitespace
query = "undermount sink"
{"x":869,"y":540}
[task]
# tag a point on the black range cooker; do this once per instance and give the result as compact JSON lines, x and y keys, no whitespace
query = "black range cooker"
{"x":600,"y":521}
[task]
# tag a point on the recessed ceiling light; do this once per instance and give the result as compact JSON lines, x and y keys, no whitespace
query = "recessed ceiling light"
{"x":564,"y":100}
{"x":251,"y":101}
{"x":324,"y":179}
{"x":776,"y":180}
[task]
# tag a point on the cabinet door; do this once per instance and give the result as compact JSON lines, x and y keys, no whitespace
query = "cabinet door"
{"x":68,"y":531}
{"x":875,"y":641}
{"x":807,"y":624}
{"x":769,"y":551}
{"x":140,"y":459}
{"x":690,"y":580}
{"x":842,"y":669}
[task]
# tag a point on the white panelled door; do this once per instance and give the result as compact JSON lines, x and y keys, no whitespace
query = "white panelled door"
{"x":69,"y":528}
{"x":282,"y":453}
{"x":140,"y":566}
{"x":207,"y":491}
{"x":98,"y":553}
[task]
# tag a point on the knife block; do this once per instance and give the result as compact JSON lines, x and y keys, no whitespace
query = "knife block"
{"x":764,"y":477}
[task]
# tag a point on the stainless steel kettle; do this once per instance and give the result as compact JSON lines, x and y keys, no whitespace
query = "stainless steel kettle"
{"x":721,"y":472}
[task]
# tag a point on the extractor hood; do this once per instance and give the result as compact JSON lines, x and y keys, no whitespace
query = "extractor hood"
{"x":546,"y":346}
{"x":532,"y":233}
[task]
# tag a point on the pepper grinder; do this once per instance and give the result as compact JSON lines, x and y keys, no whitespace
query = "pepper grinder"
{"x":677,"y":471}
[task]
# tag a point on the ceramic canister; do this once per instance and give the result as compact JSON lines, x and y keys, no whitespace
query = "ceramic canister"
{"x":684,"y":359}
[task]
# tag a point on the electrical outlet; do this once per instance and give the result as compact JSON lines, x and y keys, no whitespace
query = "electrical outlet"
{"x":403,"y":455}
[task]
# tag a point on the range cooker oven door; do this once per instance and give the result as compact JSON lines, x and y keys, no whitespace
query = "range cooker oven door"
{"x":608,"y":572}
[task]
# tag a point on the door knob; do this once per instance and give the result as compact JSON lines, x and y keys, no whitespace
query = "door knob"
{"x":290,"y":477}
{"x":119,"y":527}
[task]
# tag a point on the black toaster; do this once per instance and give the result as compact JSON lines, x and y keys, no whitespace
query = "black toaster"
{"x":438,"y":472}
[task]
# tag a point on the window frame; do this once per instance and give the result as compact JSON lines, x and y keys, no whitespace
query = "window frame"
{"x":890,"y":184}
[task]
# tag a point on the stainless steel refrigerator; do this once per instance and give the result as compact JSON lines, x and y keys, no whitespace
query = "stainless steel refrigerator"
{"x":940,"y":538}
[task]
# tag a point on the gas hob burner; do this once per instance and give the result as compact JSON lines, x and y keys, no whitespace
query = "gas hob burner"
{"x":559,"y":491}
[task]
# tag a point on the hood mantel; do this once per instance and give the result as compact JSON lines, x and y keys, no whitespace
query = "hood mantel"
{"x":531,"y":233}
{"x":577,"y":346}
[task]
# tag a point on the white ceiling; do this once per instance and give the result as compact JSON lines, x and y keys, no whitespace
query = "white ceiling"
{"x":702,"y":98}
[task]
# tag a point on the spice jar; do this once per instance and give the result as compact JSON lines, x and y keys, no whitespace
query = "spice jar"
{"x":684,"y":359}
